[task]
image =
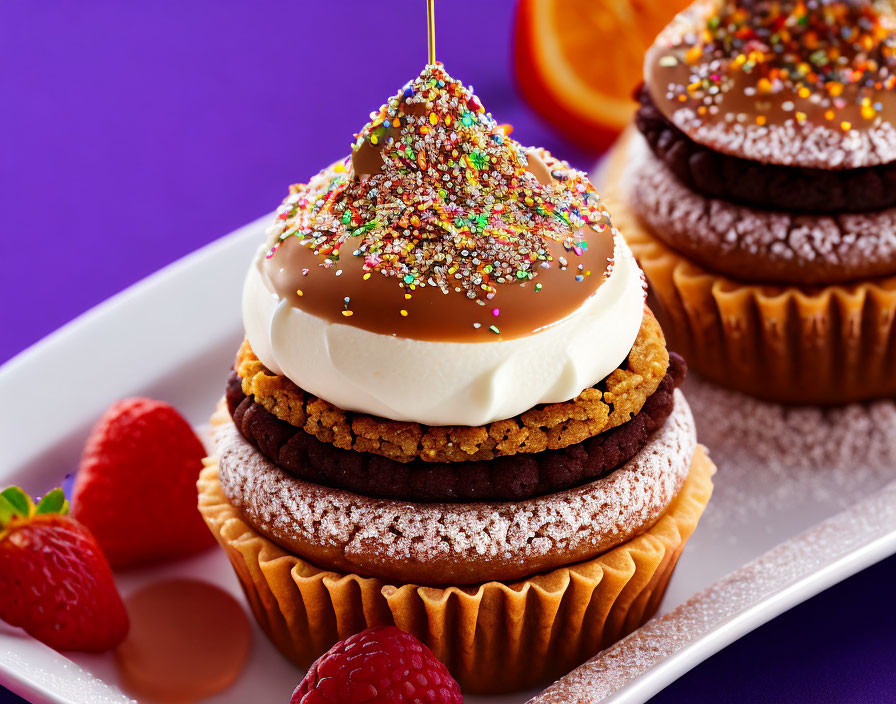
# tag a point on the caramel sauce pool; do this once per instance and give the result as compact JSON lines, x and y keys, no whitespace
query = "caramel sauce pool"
{"x":188,"y":640}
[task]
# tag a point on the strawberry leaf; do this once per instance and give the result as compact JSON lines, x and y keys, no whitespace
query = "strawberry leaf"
{"x":53,"y":502}
{"x":6,"y":511}
{"x":21,"y":503}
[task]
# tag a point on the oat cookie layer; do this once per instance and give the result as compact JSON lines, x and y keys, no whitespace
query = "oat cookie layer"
{"x":553,"y":426}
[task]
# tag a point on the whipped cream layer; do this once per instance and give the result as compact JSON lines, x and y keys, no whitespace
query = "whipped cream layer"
{"x":444,"y":382}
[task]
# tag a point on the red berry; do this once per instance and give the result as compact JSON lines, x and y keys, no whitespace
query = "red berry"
{"x":136,"y":485}
{"x":55,"y":581}
{"x":381,"y":665}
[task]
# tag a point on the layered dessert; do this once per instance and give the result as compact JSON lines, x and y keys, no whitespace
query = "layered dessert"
{"x":452,"y":411}
{"x":759,"y":194}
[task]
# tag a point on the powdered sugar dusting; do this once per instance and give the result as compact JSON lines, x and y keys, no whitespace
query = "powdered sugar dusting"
{"x":782,"y":567}
{"x":798,"y":247}
{"x":780,"y":469}
{"x":772,"y":456}
{"x":814,"y":146}
{"x":595,"y":516}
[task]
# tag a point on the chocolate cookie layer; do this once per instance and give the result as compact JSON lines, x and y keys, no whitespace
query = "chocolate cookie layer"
{"x":760,"y":246}
{"x":764,"y":185}
{"x":502,"y":479}
{"x":454,"y":543}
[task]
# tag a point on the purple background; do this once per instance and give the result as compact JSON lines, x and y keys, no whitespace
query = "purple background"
{"x":132,"y":133}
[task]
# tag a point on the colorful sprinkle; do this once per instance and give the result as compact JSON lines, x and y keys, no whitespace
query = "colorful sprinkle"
{"x":453,"y":187}
{"x":830,"y":54}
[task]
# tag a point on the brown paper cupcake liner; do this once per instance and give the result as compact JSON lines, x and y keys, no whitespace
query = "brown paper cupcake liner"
{"x":494,"y":637}
{"x":791,"y":344}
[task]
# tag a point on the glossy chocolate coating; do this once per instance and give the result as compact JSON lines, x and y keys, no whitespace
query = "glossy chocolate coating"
{"x":774,"y":109}
{"x":376,"y":302}
{"x":741,"y":99}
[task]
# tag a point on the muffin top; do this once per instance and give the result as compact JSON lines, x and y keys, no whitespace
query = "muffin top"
{"x":786,"y":82}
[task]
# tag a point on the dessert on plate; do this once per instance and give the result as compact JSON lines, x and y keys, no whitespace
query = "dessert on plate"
{"x":759,"y":195}
{"x":452,"y":411}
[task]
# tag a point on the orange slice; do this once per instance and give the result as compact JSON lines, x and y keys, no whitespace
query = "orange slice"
{"x":578,"y":61}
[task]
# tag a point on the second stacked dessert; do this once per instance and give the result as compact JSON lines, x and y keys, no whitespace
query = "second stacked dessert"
{"x":760,"y":195}
{"x":452,"y":410}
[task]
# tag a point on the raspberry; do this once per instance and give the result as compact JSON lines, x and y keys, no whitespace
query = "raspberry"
{"x":381,"y":665}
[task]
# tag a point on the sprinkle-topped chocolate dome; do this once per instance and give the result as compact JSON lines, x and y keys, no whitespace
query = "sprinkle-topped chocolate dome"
{"x":440,"y":226}
{"x":796,"y":82}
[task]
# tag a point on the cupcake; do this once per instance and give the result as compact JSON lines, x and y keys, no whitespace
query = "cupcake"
{"x":452,"y":411}
{"x":759,"y":195}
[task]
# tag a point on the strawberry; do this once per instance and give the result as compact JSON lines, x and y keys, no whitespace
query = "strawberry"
{"x":136,"y":484}
{"x":55,"y":581}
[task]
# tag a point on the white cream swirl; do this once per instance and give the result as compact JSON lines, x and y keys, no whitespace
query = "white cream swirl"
{"x":447,"y":383}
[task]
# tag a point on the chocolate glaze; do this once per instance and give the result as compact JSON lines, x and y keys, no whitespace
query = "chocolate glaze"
{"x":735,"y":101}
{"x":539,"y":169}
{"x":519,"y":267}
{"x":367,"y":158}
{"x":661,"y":72}
{"x":376,"y":303}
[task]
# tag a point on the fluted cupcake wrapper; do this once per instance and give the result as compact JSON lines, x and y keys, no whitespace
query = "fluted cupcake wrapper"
{"x":830,"y":344}
{"x":494,"y":637}
{"x":792,"y":344}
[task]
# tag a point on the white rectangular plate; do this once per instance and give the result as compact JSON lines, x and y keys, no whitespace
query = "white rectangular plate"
{"x":173,"y":337}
